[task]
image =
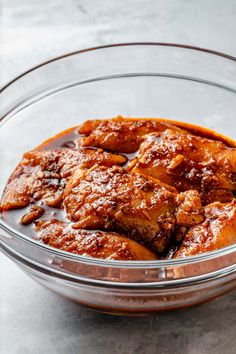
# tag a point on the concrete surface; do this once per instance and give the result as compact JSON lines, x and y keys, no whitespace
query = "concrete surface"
{"x":33,"y":320}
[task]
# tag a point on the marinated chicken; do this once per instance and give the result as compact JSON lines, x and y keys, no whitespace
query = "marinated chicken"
{"x":119,"y":134}
{"x":218,"y":230}
{"x":127,"y":189}
{"x":42,"y":175}
{"x":96,"y":244}
{"x":189,"y":162}
{"x":144,"y":208}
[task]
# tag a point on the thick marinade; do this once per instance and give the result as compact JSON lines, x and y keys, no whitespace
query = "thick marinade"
{"x":188,"y":219}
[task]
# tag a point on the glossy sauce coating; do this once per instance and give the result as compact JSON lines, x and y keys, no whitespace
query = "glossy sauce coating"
{"x":146,"y":180}
{"x":106,"y":245}
{"x":144,"y":208}
{"x":189,"y":162}
{"x":218,"y":230}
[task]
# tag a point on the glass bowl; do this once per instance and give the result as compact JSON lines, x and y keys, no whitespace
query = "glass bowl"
{"x":134,"y":80}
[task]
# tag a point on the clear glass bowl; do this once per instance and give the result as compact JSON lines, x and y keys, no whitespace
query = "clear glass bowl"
{"x":135,"y":80}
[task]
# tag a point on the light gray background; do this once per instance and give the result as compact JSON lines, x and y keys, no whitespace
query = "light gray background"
{"x":33,"y":320}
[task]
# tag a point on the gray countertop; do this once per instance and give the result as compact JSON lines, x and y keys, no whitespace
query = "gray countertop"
{"x":34,"y":320}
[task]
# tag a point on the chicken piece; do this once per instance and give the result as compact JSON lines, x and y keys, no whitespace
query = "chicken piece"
{"x":143,"y":208}
{"x":42,"y":175}
{"x":189,"y":162}
{"x":190,"y":211}
{"x":217,"y":231}
{"x":119,"y":134}
{"x":96,"y":244}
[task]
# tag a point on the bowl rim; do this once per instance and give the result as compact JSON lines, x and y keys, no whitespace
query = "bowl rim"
{"x":124,"y":44}
{"x":107,"y":262}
